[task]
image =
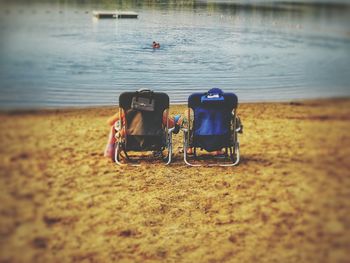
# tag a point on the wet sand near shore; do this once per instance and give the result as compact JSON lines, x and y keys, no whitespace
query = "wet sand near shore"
{"x":287,"y":201}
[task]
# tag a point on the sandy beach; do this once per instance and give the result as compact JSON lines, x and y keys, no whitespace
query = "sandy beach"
{"x":287,"y":201}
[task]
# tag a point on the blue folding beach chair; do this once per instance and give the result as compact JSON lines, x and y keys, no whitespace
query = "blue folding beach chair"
{"x":212,"y":125}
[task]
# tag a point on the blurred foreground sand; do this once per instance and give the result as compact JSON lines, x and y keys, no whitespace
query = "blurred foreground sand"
{"x":288,"y":200}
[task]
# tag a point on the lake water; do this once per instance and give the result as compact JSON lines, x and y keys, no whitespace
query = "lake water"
{"x":57,"y":54}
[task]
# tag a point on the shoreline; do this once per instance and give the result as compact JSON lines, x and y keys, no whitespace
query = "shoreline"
{"x":287,"y":201}
{"x":184,"y":104}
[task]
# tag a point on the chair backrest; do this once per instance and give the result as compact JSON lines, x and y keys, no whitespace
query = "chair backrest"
{"x":212,"y":119}
{"x":144,"y":129}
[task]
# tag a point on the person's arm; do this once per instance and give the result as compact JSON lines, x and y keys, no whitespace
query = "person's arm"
{"x":113,"y":119}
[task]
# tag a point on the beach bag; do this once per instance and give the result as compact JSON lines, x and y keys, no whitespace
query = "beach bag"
{"x":143,"y":103}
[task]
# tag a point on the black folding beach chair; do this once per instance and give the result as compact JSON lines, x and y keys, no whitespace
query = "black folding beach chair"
{"x":213,"y":127}
{"x":142,"y":129}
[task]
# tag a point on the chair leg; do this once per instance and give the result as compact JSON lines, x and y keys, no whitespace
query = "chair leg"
{"x":170,"y":148}
{"x":231,"y":154}
{"x":117,"y":154}
{"x":185,"y":147}
{"x":195,"y":152}
{"x":236,"y":153}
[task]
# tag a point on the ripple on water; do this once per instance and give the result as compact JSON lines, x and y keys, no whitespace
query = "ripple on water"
{"x":73,"y":60}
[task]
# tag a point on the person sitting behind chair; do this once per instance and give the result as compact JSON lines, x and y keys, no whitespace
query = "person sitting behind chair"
{"x":109,"y":149}
{"x":155,"y":44}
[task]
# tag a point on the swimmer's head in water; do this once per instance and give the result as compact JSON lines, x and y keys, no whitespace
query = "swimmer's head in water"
{"x":155,"y":45}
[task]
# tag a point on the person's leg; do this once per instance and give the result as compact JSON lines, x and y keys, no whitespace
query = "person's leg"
{"x":172,"y":122}
{"x":220,"y":152}
{"x":110,"y":146}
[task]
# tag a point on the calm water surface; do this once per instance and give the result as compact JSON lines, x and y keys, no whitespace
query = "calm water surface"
{"x":54,"y":55}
